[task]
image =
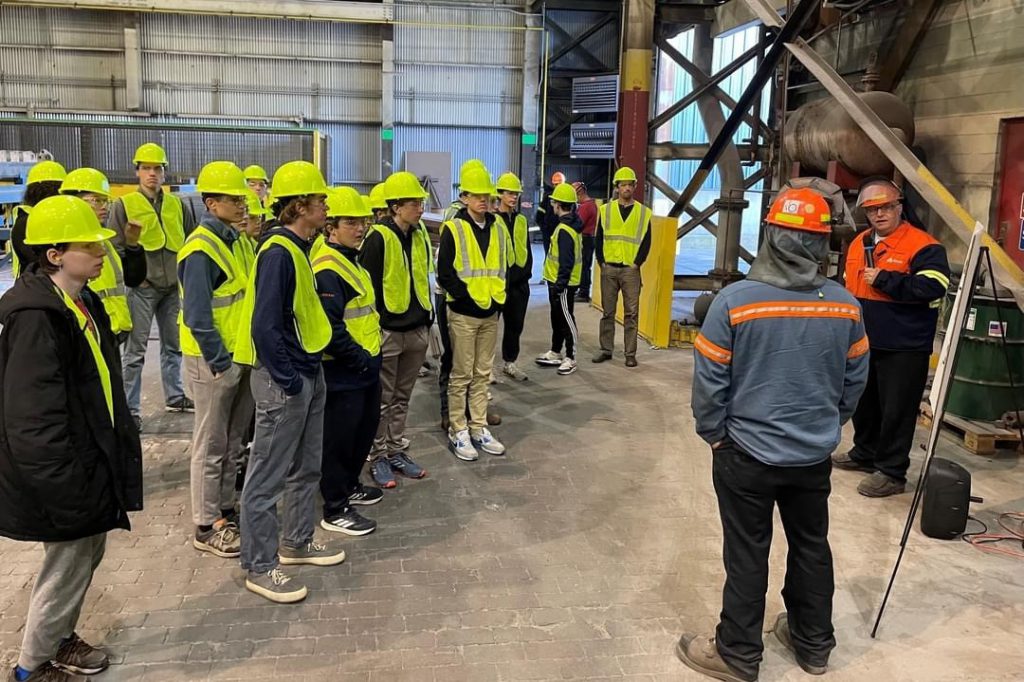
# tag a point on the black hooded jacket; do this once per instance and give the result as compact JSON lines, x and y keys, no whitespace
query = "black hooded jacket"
{"x":65,"y":472}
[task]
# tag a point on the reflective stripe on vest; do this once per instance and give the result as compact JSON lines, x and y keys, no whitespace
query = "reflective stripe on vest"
{"x":92,"y":338}
{"x":244,"y":249}
{"x":166,"y":231}
{"x":227,"y":300}
{"x":110,"y":288}
{"x":622,"y":238}
{"x":520,"y":236}
{"x":361,"y":318}
{"x":484,"y":276}
{"x":311,"y":323}
{"x":396,"y":285}
{"x":551,"y":261}
{"x":15,"y":261}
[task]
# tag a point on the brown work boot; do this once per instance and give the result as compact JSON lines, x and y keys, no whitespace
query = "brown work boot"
{"x":782,"y":633}
{"x":701,"y":654}
{"x":880,"y":485}
{"x":845,"y":460}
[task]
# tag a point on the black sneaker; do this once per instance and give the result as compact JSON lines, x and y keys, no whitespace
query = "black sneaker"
{"x":78,"y":656}
{"x":182,"y":404}
{"x":365,"y":495}
{"x":349,"y":522}
{"x":47,"y":672}
{"x":138,"y":422}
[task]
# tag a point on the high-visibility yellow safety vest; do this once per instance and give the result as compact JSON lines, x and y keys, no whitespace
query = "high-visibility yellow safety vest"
{"x":622,"y":238}
{"x":166,"y":231}
{"x":227,"y":298}
{"x":244,"y":249}
{"x":311,"y":323}
{"x":520,"y":236}
{"x":484,"y":275}
{"x":109,"y":286}
{"x":314,"y":249}
{"x":15,"y":261}
{"x":361,"y":318}
{"x":397,"y":269}
{"x":92,"y":338}
{"x":551,"y":262}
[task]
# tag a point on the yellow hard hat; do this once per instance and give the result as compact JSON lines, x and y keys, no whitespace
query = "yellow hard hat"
{"x":222,"y":177}
{"x":46,"y":171}
{"x":150,"y":153}
{"x":86,"y":180}
{"x":476,"y":180}
{"x":403,"y":185}
{"x":377,"y":199}
{"x":624,"y":174}
{"x":255,"y":172}
{"x":470,"y":163}
{"x":254,"y":205}
{"x":509,"y":182}
{"x":345,"y":202}
{"x":64,"y":219}
{"x":564,"y":193}
{"x":298,"y":179}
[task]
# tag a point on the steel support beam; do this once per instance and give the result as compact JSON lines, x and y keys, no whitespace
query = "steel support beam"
{"x":387,"y":97}
{"x":705,"y":83}
{"x":578,"y":41}
{"x":918,"y":19}
{"x":635,"y":83}
{"x":672,"y":151}
{"x":910,"y":167}
{"x":360,"y":12}
{"x":801,"y":15}
{"x":582,"y":51}
{"x":531,"y":116}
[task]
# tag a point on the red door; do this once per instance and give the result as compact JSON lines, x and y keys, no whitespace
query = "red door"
{"x":1010,"y":210}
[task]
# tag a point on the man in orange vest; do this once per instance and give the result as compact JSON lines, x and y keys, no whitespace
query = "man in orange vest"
{"x":899,"y":274}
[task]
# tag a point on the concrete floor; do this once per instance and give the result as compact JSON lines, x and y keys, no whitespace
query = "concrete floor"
{"x":581,"y":555}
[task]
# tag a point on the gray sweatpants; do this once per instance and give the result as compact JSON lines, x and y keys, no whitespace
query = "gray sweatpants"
{"x":224,"y":408}
{"x":284,"y":461}
{"x":58,"y":595}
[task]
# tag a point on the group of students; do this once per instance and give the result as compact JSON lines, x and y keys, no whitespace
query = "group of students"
{"x":300,"y":316}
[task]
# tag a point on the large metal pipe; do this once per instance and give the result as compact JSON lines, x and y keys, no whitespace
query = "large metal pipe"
{"x":823,"y":131}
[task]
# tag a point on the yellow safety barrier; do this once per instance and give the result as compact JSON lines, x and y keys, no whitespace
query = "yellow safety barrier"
{"x":658,"y":275}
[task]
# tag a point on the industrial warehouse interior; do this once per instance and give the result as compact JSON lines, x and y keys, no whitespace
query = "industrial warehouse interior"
{"x":732,"y":291}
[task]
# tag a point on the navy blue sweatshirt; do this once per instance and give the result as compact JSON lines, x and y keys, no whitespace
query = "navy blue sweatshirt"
{"x":350,"y":366}
{"x":371,"y":257}
{"x":199,"y":276}
{"x":448,"y":277}
{"x":273,"y":320}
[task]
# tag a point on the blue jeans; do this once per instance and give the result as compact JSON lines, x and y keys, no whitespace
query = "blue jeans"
{"x":284,"y":463}
{"x":145,"y":303}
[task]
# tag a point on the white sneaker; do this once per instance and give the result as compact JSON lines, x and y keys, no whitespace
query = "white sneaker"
{"x":462,"y":447}
{"x":549,"y":359}
{"x":512,"y":370}
{"x":488,"y":443}
{"x":568,"y":366}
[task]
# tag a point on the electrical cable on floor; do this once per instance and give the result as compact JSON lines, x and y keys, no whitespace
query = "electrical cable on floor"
{"x":986,"y":541}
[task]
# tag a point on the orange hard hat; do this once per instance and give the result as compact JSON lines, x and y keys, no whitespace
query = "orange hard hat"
{"x":801,"y":209}
{"x":878,"y":192}
{"x":557,"y":178}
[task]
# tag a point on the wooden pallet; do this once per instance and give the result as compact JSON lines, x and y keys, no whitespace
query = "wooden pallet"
{"x":982,"y":438}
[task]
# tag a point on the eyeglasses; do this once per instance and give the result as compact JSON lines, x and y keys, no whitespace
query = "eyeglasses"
{"x":96,"y":200}
{"x":232,"y":199}
{"x":883,"y":208}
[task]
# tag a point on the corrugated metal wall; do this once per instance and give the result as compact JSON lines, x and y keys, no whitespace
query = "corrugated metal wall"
{"x":457,"y":67}
{"x":459,"y":83}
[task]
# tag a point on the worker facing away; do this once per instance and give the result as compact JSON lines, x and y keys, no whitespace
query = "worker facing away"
{"x":118,"y":274}
{"x":472,"y":262}
{"x":520,"y":269}
{"x":587,"y":210}
{"x":44,"y":180}
{"x":70,"y":458}
{"x":621,"y":244}
{"x":213,"y":283}
{"x":562,"y":270}
{"x":282,"y":331}
{"x":780,"y":363}
{"x":164,"y":222}
{"x":352,"y":362}
{"x":397,"y":255}
{"x":899,"y":274}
